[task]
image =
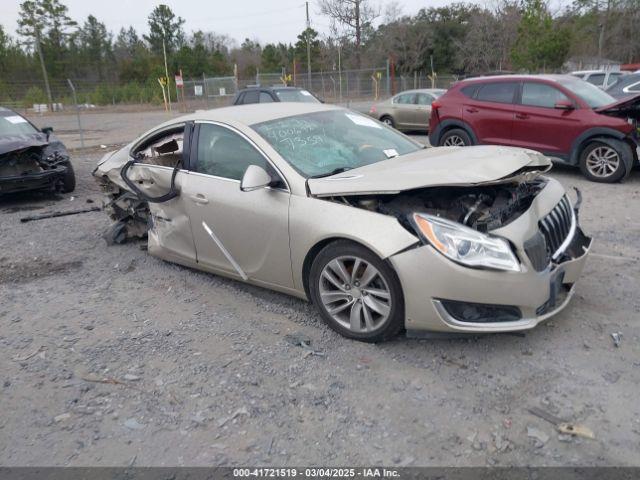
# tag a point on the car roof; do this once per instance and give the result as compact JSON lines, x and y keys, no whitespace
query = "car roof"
{"x":422,"y":90}
{"x":4,"y":112}
{"x":274,"y":87}
{"x":545,"y":76}
{"x":255,"y":112}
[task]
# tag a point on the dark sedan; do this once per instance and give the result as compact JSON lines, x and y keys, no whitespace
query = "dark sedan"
{"x":32,"y":159}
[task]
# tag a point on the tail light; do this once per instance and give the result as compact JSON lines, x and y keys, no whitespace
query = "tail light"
{"x":373,"y":109}
{"x":435,"y":105}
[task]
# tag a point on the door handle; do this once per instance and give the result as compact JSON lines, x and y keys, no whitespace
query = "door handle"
{"x":472,"y":110}
{"x":522,"y":116}
{"x":199,"y":199}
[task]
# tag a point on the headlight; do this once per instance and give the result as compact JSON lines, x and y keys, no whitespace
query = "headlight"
{"x":465,"y":245}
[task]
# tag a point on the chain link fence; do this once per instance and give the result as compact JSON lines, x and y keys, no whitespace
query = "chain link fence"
{"x":344,"y":87}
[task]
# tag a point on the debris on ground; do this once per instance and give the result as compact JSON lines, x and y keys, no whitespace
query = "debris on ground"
{"x":241,"y":411}
{"x":564,"y":427}
{"x":299,"y":339}
{"x":617,"y":338}
{"x":537,"y":434}
{"x":59,"y":214}
{"x":23,"y":358}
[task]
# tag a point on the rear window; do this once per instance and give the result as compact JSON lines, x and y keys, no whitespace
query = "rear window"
{"x":292,"y":95}
{"x":469,"y":90}
{"x":499,"y":92}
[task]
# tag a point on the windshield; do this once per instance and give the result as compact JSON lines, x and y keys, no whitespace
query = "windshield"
{"x":13,"y":124}
{"x":317,"y":144}
{"x":296,"y":96}
{"x":591,"y":94}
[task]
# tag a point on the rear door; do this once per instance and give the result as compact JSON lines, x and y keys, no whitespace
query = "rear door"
{"x":539,"y":125}
{"x":490,"y":112}
{"x":243,"y":234}
{"x":404,"y":110}
{"x":423,"y":110}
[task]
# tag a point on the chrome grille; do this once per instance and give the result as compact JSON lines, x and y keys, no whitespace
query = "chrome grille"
{"x":557,"y":226}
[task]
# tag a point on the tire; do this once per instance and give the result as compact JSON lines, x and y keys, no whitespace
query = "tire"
{"x":357,"y":312}
{"x":603,"y":160}
{"x":387,"y":120}
{"x":456,"y":137}
{"x":69,"y":180}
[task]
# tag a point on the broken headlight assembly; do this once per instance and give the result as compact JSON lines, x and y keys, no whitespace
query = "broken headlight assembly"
{"x":464,"y":245}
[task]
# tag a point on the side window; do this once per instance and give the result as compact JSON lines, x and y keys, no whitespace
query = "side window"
{"x":541,"y":95}
{"x":404,"y":99}
{"x":613,"y":78}
{"x":250,"y":96}
{"x":596,"y":79}
{"x":265,"y":97}
{"x":424,"y":99}
{"x":633,"y":88}
{"x":469,"y":90}
{"x":165,"y":149}
{"x":224,"y":153}
{"x":499,"y":92}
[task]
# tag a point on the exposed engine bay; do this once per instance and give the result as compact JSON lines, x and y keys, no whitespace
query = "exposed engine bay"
{"x":33,"y":167}
{"x":483,"y":208}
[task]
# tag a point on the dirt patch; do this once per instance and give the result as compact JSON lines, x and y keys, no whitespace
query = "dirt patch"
{"x":25,"y":272}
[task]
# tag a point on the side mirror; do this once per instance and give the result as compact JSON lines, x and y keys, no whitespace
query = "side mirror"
{"x":254,"y":178}
{"x":47,"y":131}
{"x":564,"y":105}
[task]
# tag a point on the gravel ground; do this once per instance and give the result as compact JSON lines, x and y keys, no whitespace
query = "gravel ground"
{"x":112,"y":357}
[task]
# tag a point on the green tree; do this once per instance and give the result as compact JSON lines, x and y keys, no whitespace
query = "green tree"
{"x":163,"y":24}
{"x":96,"y":45}
{"x":300,"y":49}
{"x":541,"y":44}
{"x":44,"y":25}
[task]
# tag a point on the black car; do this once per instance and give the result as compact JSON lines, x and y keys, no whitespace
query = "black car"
{"x":259,"y":94}
{"x":32,"y":159}
{"x":627,"y":86}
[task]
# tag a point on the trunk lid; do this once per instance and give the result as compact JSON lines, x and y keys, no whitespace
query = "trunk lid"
{"x":433,"y":167}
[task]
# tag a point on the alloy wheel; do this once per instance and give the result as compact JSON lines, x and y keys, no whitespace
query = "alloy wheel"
{"x":453,"y":141}
{"x":602,"y":161}
{"x":355,"y":294}
{"x":388,"y":121}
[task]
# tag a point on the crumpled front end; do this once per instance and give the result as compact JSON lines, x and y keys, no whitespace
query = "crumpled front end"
{"x":33,"y":168}
{"x":444,"y":296}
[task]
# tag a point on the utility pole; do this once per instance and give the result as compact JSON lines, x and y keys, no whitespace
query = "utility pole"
{"x":44,"y":68}
{"x":166,"y":71}
{"x":308,"y":49}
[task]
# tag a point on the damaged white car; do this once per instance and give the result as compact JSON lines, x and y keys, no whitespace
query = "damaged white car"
{"x":382,"y":234}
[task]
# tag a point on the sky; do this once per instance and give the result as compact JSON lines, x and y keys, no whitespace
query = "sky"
{"x":266,"y":21}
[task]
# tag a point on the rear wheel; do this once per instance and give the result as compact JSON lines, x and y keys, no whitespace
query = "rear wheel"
{"x":387,"y":120}
{"x":357,"y":293}
{"x":456,"y":137}
{"x":602,"y":161}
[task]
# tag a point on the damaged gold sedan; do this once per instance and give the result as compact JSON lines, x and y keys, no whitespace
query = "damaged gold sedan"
{"x":325,"y":204}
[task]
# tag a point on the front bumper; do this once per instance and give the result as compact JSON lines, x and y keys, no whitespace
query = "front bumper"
{"x":45,"y":180}
{"x":427,"y":277}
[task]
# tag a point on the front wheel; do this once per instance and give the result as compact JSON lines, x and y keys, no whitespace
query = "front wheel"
{"x":455,"y":137}
{"x":603,"y":162}
{"x":357,"y":293}
{"x":69,"y":180}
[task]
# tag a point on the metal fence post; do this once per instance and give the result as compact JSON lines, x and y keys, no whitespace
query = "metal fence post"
{"x":75,"y":100}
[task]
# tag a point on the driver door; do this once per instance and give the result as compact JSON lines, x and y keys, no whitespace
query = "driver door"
{"x":240,"y":234}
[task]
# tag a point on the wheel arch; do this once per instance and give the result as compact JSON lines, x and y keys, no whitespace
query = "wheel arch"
{"x":449,"y":124}
{"x":590,"y":135}
{"x":321,"y":244}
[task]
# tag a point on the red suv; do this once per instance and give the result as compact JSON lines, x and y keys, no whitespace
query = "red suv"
{"x":561,"y":116}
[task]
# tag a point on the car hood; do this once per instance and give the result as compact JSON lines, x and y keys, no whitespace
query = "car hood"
{"x":433,"y":167}
{"x":625,"y":107}
{"x":10,"y":143}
